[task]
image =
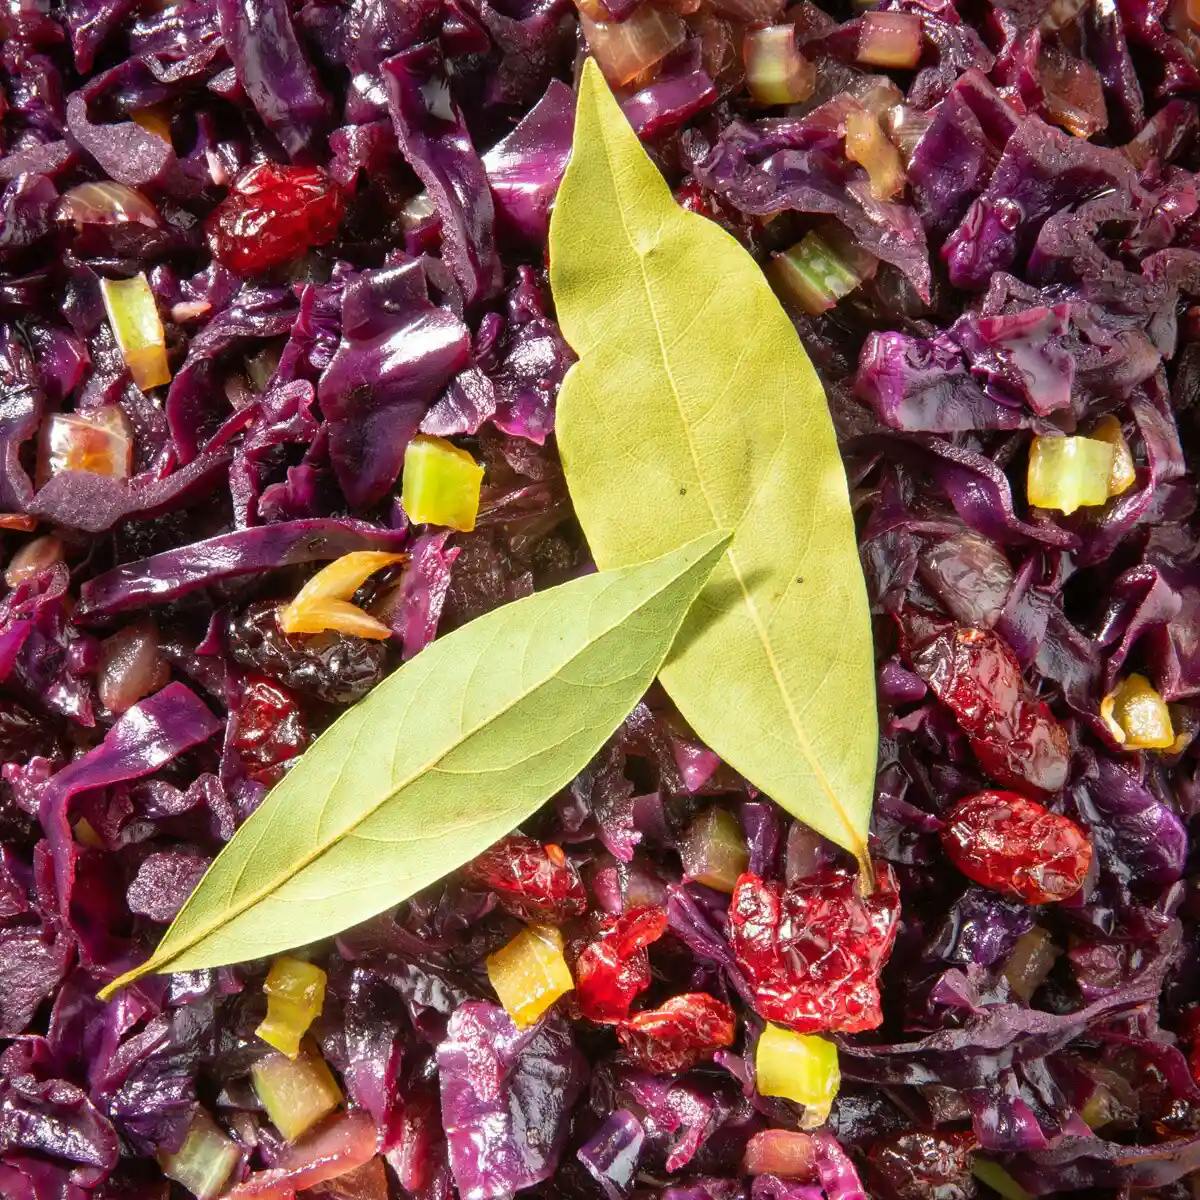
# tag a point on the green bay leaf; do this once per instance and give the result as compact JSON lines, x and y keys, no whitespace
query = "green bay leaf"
{"x":449,"y":753}
{"x":694,"y":407}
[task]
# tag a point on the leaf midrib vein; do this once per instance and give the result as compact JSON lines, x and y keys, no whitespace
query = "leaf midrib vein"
{"x":763,"y":635}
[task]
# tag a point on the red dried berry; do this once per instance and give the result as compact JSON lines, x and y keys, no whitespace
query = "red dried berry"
{"x":1013,"y":734}
{"x":1189,"y":1028}
{"x":534,"y":882}
{"x":1007,"y":842}
{"x":694,"y":198}
{"x":813,"y":951}
{"x":612,"y":970}
{"x":923,"y":1166}
{"x":269,"y":729}
{"x":677,"y":1035}
{"x":272,"y":214}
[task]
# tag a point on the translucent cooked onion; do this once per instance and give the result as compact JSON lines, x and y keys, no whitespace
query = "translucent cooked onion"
{"x":106,"y":203}
{"x":32,"y":559}
{"x":131,"y":667}
{"x":776,"y":71}
{"x":787,"y":1153}
{"x":98,"y":441}
{"x":868,"y":145}
{"x":323,"y":603}
{"x":624,"y":49}
{"x":890,"y":39}
{"x":906,"y":126}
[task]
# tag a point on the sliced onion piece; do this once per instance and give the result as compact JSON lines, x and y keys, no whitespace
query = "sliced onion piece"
{"x":1073,"y":93}
{"x":783,"y":1152}
{"x":906,"y":126}
{"x":340,"y":1146}
{"x":106,"y":203}
{"x":138,"y":329}
{"x":155,"y":119}
{"x":206,"y":1159}
{"x":323,"y":603}
{"x":131,"y":667}
{"x":97,"y":441}
{"x":876,"y":93}
{"x":32,"y":559}
{"x":1031,"y":961}
{"x":776,"y":71}
{"x":624,"y":49}
{"x":868,"y":145}
{"x":889,"y":39}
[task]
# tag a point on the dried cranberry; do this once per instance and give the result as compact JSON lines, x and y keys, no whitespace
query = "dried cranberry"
{"x":332,"y":667}
{"x":1190,"y":1029}
{"x":274,"y":213}
{"x":269,"y":729}
{"x":1009,"y":843}
{"x":677,"y":1035}
{"x":813,"y":950}
{"x":923,"y":1166}
{"x":531,"y":881}
{"x":615,"y":968}
{"x":1013,"y":734}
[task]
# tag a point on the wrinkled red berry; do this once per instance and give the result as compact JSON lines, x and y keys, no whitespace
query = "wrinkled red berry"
{"x":1189,"y":1028}
{"x":922,"y":1166}
{"x":269,"y":729}
{"x":534,"y":882}
{"x":612,"y":970}
{"x":813,"y":951}
{"x":1013,"y":734}
{"x":677,"y":1035}
{"x":1012,"y":844}
{"x":274,"y":213}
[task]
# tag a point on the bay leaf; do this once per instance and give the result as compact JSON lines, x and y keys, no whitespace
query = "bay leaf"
{"x":693,"y":407}
{"x":446,"y":755}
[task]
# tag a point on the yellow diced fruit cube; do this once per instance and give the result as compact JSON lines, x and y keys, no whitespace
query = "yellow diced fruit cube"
{"x":799,"y":1067}
{"x":295,"y":995}
{"x":441,"y":484}
{"x":296,"y":1092}
{"x":136,"y":325}
{"x":714,"y":850}
{"x":1066,"y":473}
{"x":205,"y":1161}
{"x":530,"y":973}
{"x":1137,"y":716}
